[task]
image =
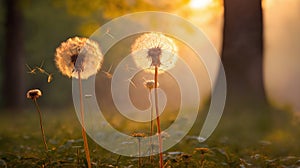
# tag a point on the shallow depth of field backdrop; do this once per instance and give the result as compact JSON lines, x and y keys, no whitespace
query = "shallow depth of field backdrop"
{"x":30,"y":31}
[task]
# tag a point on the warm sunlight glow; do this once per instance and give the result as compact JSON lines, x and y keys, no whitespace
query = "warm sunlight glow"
{"x":200,"y":3}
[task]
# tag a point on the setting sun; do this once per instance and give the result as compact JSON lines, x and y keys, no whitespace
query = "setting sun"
{"x":199,"y":3}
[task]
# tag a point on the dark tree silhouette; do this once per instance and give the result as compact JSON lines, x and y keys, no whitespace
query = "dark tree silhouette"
{"x":13,"y":64}
{"x":242,"y":53}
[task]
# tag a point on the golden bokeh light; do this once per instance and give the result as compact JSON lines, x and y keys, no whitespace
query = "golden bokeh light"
{"x":200,"y":3}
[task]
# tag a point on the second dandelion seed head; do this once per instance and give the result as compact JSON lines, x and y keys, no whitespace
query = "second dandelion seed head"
{"x":154,"y":50}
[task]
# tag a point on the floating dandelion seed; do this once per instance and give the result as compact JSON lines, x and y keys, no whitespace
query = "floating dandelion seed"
{"x":131,"y":82}
{"x":78,"y":55}
{"x":108,"y":33}
{"x":43,"y":71}
{"x":31,"y":71}
{"x":50,"y":78}
{"x":107,"y":73}
{"x":160,"y":51}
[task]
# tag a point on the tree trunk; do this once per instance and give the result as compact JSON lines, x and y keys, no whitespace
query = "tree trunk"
{"x":242,"y":53}
{"x":14,"y":61}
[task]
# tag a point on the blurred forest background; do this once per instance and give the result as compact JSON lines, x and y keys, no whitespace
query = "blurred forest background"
{"x":258,"y":42}
{"x":40,"y":26}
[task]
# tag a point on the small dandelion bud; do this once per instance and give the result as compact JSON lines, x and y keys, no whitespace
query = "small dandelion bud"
{"x":154,"y":50}
{"x":78,"y":55}
{"x":201,"y":150}
{"x":138,"y":135}
{"x":33,"y":94}
{"x":150,"y":84}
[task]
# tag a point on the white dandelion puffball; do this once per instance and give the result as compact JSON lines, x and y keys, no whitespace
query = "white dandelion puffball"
{"x":78,"y":54}
{"x":154,"y":50}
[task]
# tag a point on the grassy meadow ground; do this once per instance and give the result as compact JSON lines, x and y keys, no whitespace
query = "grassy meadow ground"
{"x":230,"y":146}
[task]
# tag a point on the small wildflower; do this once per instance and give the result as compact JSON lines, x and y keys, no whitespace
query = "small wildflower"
{"x":154,"y":50}
{"x":33,"y":94}
{"x":138,"y":135}
{"x":201,"y":150}
{"x":150,"y":84}
{"x":78,"y":55}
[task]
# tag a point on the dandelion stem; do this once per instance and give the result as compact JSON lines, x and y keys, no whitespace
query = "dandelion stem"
{"x":117,"y":163}
{"x":202,"y":160}
{"x":77,"y":155}
{"x":139,"y":146}
{"x":161,"y":162}
{"x":41,"y":124}
{"x":151,"y":128}
{"x":85,"y":142}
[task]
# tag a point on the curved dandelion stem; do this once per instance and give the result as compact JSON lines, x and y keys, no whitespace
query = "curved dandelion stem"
{"x":161,"y":162}
{"x":85,"y":142}
{"x":41,"y":124}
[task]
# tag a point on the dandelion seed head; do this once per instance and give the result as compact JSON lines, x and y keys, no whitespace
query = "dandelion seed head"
{"x":78,"y":54}
{"x":33,"y":94}
{"x":154,"y":50}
